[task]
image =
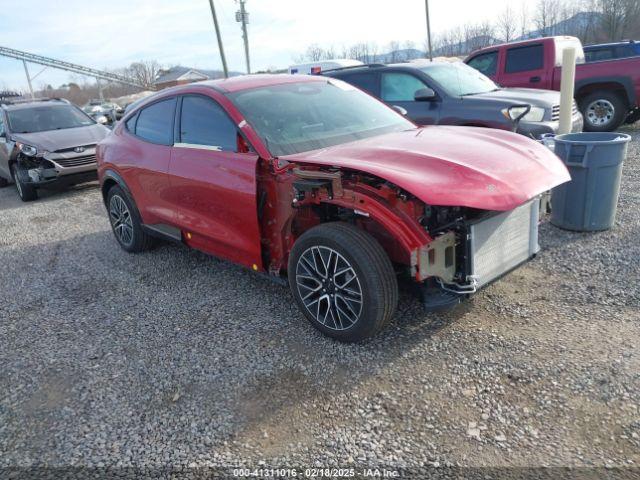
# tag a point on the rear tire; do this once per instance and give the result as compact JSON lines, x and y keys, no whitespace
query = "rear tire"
{"x":126,"y":223}
{"x":343,"y":281}
{"x":603,"y":111}
{"x":26,"y":192}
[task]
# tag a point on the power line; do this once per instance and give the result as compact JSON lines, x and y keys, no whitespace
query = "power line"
{"x":69,"y":67}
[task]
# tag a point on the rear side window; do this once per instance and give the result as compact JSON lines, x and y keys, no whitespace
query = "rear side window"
{"x":204,"y":122}
{"x":486,"y":63}
{"x":155,"y":122}
{"x":400,"y":87}
{"x":623,"y":51}
{"x":2,"y":130}
{"x":523,"y":59}
{"x":364,"y":81}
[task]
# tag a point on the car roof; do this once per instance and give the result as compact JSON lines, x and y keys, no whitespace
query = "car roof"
{"x":25,"y":104}
{"x":247,"y":82}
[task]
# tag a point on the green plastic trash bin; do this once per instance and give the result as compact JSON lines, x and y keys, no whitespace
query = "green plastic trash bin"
{"x":589,"y":201}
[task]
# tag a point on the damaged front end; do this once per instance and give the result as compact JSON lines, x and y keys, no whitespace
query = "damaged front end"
{"x":40,"y":168}
{"x":474,"y":249}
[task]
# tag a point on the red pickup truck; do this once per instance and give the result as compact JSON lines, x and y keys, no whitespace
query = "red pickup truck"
{"x":607,"y":92}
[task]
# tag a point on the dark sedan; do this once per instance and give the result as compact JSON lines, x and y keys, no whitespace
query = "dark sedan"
{"x":452,"y":93}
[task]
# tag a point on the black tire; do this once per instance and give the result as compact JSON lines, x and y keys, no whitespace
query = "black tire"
{"x":602,"y":101}
{"x":354,"y":252}
{"x":27,"y":192}
{"x":126,"y":223}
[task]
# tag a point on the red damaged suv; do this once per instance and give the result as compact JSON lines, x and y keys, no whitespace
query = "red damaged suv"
{"x":310,"y":177}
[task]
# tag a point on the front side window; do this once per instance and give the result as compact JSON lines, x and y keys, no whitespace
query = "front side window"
{"x":43,"y":118}
{"x":486,"y":63}
{"x":400,"y":87}
{"x":524,"y":59}
{"x":155,"y":122}
{"x":303,"y":116}
{"x":204,"y":122}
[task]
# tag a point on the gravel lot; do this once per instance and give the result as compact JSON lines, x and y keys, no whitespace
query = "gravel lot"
{"x":173,"y":358}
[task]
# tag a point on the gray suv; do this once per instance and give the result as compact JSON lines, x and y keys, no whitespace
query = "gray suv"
{"x":444,"y":93}
{"x":45,"y":142}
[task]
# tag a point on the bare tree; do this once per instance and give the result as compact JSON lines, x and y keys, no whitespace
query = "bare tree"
{"x":546,"y":16}
{"x":507,"y":24}
{"x":392,"y":48}
{"x":143,"y":72}
{"x":525,"y":23}
{"x":619,"y":17}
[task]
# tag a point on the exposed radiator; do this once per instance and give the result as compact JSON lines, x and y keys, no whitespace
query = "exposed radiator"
{"x":500,"y":243}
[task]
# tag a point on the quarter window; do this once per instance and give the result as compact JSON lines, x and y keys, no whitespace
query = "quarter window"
{"x":400,"y":87}
{"x":204,"y":122}
{"x":524,"y":59}
{"x":155,"y":122}
{"x":486,"y":63}
{"x":364,"y":81}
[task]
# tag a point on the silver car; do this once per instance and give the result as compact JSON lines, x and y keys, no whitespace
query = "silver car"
{"x":45,"y":142}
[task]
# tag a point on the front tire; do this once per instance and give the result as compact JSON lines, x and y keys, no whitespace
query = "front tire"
{"x":602,"y":111}
{"x":343,"y":281}
{"x":26,"y":192}
{"x":126,"y":223}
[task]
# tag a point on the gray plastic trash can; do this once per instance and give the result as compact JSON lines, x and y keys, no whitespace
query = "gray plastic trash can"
{"x":589,"y":201}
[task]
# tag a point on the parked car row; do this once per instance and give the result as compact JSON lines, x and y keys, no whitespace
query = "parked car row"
{"x":338,"y":184}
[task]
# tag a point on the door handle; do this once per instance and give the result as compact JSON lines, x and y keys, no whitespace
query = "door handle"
{"x":535,"y":79}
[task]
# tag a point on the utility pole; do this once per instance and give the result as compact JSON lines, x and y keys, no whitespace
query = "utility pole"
{"x":243,"y":17}
{"x":26,"y":71}
{"x":426,"y":6}
{"x":215,"y":24}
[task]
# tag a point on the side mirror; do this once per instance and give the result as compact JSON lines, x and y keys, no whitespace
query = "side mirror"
{"x":424,"y":95}
{"x":400,"y":110}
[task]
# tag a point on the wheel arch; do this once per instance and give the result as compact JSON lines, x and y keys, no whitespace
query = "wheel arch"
{"x":619,"y":85}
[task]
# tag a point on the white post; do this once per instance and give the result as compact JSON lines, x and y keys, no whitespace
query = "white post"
{"x":566,"y":89}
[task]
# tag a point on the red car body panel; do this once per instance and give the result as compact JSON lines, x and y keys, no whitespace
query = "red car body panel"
{"x":241,"y":206}
{"x":455,"y":166}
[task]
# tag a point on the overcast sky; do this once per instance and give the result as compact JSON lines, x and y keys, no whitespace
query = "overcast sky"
{"x":114,"y":33}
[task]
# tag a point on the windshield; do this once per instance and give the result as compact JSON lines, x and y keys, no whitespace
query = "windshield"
{"x":298,"y":117}
{"x":459,"y":79}
{"x":47,"y":117}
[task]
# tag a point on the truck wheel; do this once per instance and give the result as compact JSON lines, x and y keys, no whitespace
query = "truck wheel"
{"x":343,"y":281}
{"x":126,"y":223}
{"x":26,"y":192}
{"x":603,"y":111}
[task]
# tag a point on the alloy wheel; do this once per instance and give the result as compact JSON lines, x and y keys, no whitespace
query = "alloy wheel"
{"x":121,"y":220}
{"x":600,"y":112}
{"x":329,"y":288}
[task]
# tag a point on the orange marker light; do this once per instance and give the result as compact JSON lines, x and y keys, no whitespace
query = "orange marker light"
{"x":188,"y":236}
{"x":255,"y":267}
